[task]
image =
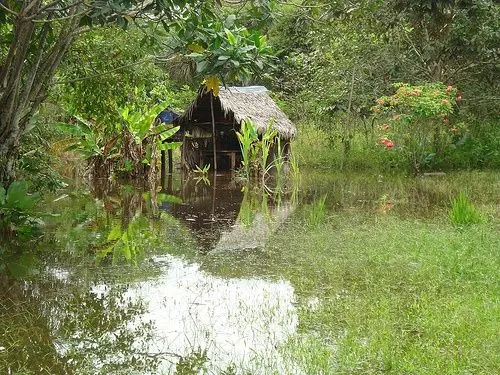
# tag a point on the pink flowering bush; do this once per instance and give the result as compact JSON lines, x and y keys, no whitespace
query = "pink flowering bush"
{"x":417,"y":121}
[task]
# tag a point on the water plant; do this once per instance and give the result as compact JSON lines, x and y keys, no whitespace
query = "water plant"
{"x":201,"y":174}
{"x":256,"y":151}
{"x":247,"y":137}
{"x":266,"y":142}
{"x":316,"y":212}
{"x":294,"y":168}
{"x":278,"y":165}
{"x":463,"y":212}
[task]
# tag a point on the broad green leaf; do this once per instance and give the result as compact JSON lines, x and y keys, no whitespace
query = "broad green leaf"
{"x":86,"y":125}
{"x":229,"y":21}
{"x":201,"y":66}
{"x":169,"y":146}
{"x":72,"y":129}
{"x":230,"y":37}
{"x":246,"y":49}
{"x":194,"y":55}
{"x":167,"y":131}
{"x":116,"y":233}
{"x":126,"y":248}
{"x":18,"y":197}
{"x":124,"y":112}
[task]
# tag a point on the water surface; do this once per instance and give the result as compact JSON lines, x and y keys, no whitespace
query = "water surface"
{"x":187,"y":280}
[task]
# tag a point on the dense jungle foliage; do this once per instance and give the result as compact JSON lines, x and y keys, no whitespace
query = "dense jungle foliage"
{"x":329,"y":64}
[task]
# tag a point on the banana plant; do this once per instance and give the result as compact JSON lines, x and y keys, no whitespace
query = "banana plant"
{"x":142,"y":124}
{"x":247,"y":137}
{"x":84,"y":138}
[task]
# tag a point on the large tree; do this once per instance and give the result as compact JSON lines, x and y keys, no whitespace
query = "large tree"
{"x":36,"y":34}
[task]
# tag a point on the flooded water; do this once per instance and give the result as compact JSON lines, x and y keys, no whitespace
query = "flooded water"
{"x":179,"y":281}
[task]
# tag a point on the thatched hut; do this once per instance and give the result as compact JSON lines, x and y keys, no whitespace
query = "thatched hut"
{"x":224,"y":114}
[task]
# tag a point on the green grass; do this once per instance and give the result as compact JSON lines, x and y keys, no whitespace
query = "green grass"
{"x":401,"y":291}
{"x":316,"y":212}
{"x":463,"y":212}
{"x":397,"y":296}
{"x":319,"y":145}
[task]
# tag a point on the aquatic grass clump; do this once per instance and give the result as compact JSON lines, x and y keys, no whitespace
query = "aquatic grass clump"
{"x":463,"y":212}
{"x":316,"y":212}
{"x":248,"y":137}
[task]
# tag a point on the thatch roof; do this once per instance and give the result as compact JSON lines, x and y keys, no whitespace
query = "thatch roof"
{"x":238,"y":104}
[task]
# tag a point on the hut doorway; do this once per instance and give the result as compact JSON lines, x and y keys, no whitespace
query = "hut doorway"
{"x":198,"y":148}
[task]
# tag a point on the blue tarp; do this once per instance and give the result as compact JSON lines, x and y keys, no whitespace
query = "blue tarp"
{"x":167,"y":116}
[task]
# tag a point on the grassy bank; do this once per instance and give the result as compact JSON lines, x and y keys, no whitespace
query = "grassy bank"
{"x":380,"y":294}
{"x":320,"y":145}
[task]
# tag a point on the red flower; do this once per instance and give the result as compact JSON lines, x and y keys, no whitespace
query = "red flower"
{"x":387,"y":143}
{"x":449,"y":88}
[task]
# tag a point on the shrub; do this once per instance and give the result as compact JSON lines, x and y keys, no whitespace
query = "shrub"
{"x":418,"y":124}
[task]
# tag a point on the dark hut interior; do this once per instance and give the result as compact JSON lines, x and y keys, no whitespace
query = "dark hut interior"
{"x":198,"y":147}
{"x":224,"y":113}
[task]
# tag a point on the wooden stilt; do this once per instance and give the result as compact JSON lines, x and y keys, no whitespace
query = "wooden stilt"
{"x":213,"y":130}
{"x":162,"y":169}
{"x":170,"y":162}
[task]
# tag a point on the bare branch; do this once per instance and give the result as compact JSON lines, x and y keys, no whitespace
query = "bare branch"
{"x":8,"y":10}
{"x":103,"y":73}
{"x":78,"y":15}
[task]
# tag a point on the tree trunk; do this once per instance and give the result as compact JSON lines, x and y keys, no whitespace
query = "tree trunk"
{"x":8,"y":162}
{"x":26,"y":73}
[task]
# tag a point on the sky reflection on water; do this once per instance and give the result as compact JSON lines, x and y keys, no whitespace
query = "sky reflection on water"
{"x":241,"y":322}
